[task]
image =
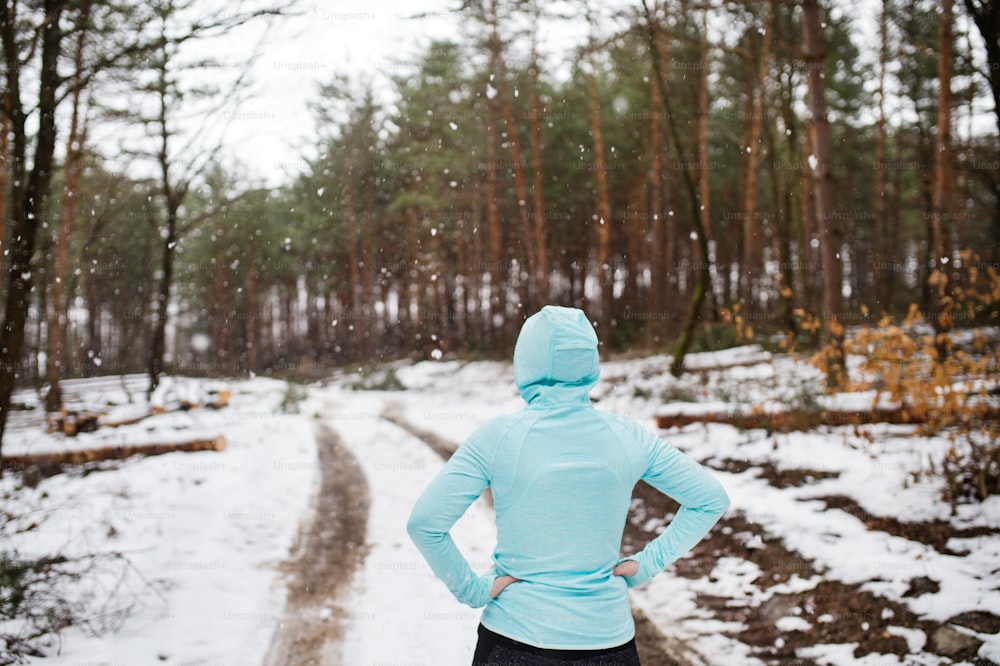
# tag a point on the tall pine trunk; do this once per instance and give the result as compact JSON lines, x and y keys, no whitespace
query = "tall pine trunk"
{"x":538,"y":186}
{"x":941,"y":302}
{"x":883,"y":263}
{"x":751,"y":264}
{"x":529,"y":289}
{"x":253,"y":301}
{"x":814,"y":46}
{"x":372,"y":334}
{"x":67,"y":211}
{"x":496,"y":319}
{"x":942,"y":194}
{"x":356,"y":320}
{"x":158,"y":343}
{"x":657,"y":254}
{"x":5,"y":165}
{"x":704,"y":173}
{"x":602,"y":206}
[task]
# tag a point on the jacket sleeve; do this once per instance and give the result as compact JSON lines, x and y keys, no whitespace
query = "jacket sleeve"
{"x":702,"y":498}
{"x":462,"y":480}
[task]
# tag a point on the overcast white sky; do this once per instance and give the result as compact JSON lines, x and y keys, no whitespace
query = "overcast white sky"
{"x":270,"y":133}
{"x":372,"y":40}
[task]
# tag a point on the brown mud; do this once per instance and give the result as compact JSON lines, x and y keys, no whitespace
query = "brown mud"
{"x":331,"y":545}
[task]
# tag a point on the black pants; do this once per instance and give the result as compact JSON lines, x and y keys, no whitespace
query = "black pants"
{"x":496,"y":650}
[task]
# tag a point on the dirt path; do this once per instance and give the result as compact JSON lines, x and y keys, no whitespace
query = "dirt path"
{"x":655,"y":647}
{"x":330,"y":546}
{"x":851,"y":614}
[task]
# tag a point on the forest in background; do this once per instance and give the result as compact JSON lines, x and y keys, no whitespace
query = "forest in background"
{"x":766,"y":163}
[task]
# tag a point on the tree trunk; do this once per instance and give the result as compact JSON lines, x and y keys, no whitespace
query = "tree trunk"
{"x":602,"y":205}
{"x":372,"y":334}
{"x":986,"y":15}
{"x":785,"y":200}
{"x":253,"y":302}
{"x":634,"y":254}
{"x":497,"y":317}
{"x":883,"y":265}
{"x":95,"y":332}
{"x":942,"y":303}
{"x":57,"y":300}
{"x":829,"y":235}
{"x":743,"y":224}
{"x":5,"y":165}
{"x":793,"y":275}
{"x":538,"y":187}
{"x":356,"y":320}
{"x":28,"y":193}
{"x":158,"y":343}
{"x":942,"y":200}
{"x":217,"y":317}
{"x":289,"y":314}
{"x":67,"y":210}
{"x":704,"y":173}
{"x":751,"y":264}
{"x":809,"y":268}
{"x":520,"y":182}
{"x":657,"y":253}
{"x":478,"y":304}
{"x":703,"y":284}
{"x":463,"y":277}
{"x":173,"y":197}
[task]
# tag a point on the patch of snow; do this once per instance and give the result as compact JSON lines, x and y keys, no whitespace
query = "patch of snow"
{"x":792,"y":623}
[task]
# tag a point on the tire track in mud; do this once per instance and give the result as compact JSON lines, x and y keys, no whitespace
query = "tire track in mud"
{"x":329,"y":547}
{"x":655,"y":647}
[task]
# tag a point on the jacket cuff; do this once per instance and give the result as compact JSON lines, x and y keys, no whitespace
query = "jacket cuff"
{"x":484,"y":585}
{"x":643,"y":575}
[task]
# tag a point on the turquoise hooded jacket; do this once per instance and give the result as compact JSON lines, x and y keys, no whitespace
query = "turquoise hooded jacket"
{"x":561,"y":474}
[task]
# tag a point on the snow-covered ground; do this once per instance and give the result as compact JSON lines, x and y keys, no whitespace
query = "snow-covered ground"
{"x":207,"y":531}
{"x":201,"y":534}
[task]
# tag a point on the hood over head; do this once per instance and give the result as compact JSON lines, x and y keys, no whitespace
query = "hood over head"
{"x":555,"y":358}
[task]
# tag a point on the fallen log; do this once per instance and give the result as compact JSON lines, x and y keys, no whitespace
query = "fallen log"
{"x":82,"y":456}
{"x":785,"y":421}
{"x":748,"y":362}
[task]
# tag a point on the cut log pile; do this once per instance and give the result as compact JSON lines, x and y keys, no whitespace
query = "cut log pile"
{"x":72,"y":422}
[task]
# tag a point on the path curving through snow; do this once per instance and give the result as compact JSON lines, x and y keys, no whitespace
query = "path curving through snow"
{"x":329,"y":549}
{"x":359,"y":590}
